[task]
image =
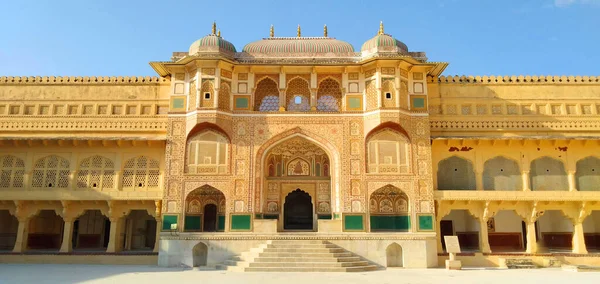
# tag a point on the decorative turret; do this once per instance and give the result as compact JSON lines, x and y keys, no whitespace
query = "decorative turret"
{"x":383,"y":42}
{"x":212,"y":43}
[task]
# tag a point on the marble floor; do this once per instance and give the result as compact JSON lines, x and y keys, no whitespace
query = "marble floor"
{"x":54,"y":273}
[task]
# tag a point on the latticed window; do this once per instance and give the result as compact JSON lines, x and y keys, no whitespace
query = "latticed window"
{"x":96,"y":172}
{"x":141,"y":172}
{"x":51,"y":171}
{"x":207,"y":153}
{"x":12,"y":171}
{"x":388,"y":153}
{"x":329,"y":95}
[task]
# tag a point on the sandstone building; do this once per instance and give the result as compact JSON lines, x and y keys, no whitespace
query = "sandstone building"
{"x":373,"y":151}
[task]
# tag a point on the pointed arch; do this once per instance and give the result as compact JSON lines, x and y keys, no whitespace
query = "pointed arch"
{"x":389,"y":209}
{"x":96,"y":172}
{"x":587,"y":176}
{"x":388,"y":150}
{"x":225,"y":95}
{"x":141,"y":172}
{"x":196,"y":202}
{"x":266,"y":95}
{"x":298,"y":87}
{"x":51,"y":171}
{"x":456,"y":173}
{"x":207,"y":151}
{"x":328,"y":147}
{"x":394,"y":256}
{"x":548,"y":173}
{"x":329,"y":95}
{"x":501,"y":173}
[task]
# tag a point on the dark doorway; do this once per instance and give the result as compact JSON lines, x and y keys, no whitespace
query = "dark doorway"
{"x":297,"y":211}
{"x":210,"y":218}
{"x":446,"y":229}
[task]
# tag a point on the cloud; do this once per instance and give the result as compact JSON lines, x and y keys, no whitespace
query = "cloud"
{"x":566,"y":3}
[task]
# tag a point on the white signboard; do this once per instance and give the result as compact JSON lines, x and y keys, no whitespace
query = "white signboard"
{"x":452,"y":245}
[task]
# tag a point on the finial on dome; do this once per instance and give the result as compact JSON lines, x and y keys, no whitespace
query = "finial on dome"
{"x":380,"y":28}
{"x":299,"y":32}
{"x":214,"y":28}
{"x":272,"y":32}
{"x":219,"y":33}
{"x":325,"y":31}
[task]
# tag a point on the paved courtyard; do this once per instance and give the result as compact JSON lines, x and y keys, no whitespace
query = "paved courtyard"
{"x":51,"y":273}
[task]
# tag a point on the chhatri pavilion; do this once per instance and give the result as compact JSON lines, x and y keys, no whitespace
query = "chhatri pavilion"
{"x":300,"y":153}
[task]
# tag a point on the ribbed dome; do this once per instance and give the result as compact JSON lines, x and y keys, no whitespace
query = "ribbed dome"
{"x":384,"y":42}
{"x":299,"y":46}
{"x":211,"y":43}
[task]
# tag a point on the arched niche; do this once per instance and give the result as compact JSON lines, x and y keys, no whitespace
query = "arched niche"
{"x":501,"y":173}
{"x":13,"y":171}
{"x":394,"y":255}
{"x":205,"y":209}
{"x":207,"y":152}
{"x":587,"y":177}
{"x":548,"y":174}
{"x":329,"y":95}
{"x":298,"y":95}
{"x":200,"y":255}
{"x":388,"y":151}
{"x":389,"y":210}
{"x":455,"y":173}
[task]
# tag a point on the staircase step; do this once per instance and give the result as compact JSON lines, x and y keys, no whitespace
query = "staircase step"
{"x":308,"y":264}
{"x":300,"y":255}
{"x":283,"y":242}
{"x":311,"y":269}
{"x":522,"y":266}
{"x":302,"y":245}
{"x":307,"y":259}
{"x":304,"y":250}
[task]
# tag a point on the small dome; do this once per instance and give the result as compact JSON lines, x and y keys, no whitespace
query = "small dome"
{"x":212,"y":43}
{"x":384,"y":42}
{"x":299,"y":46}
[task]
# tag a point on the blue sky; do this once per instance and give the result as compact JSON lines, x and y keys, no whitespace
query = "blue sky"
{"x":479,"y":37}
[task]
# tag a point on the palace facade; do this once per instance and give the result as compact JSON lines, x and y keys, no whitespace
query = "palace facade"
{"x":299,"y":138}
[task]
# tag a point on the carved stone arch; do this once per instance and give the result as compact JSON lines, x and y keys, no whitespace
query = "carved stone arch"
{"x":327,"y":146}
{"x":329,"y":76}
{"x":389,"y":125}
{"x":294,"y":77}
{"x":266,"y":77}
{"x":218,"y":160}
{"x":400,"y":160}
{"x":329,"y":94}
{"x":390,"y":195}
{"x":548,"y":173}
{"x":297,"y":86}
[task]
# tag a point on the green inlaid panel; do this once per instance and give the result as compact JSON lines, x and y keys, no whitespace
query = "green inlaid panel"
{"x":193,"y":223}
{"x":241,"y":222}
{"x":168,"y":220}
{"x":425,"y":222}
{"x":324,"y":217}
{"x":354,"y":102}
{"x":221,"y":223}
{"x":241,"y":102}
{"x":419,"y":102}
{"x":390,"y":223}
{"x":178,"y":103}
{"x":353,"y":223}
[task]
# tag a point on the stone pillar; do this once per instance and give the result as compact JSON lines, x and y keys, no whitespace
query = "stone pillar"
{"x":531,"y":238}
{"x":22,"y":235}
{"x":479,"y":180}
{"x":525,"y":180}
{"x":571,"y":178}
{"x":438,"y":234}
{"x":67,"y":240}
{"x":158,"y":228}
{"x":484,"y":244}
{"x":282,"y":102}
{"x":578,"y":238}
{"x":115,"y":234}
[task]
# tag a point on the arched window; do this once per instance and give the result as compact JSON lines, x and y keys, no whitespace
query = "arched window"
{"x":141,"y":173}
{"x":266,"y":96}
{"x":329,"y":95}
{"x":297,"y":95}
{"x":388,"y":152}
{"x":225,"y":95}
{"x":12,"y":170}
{"x":455,"y":173}
{"x":96,"y":172}
{"x":51,"y":171}
{"x":207,"y":153}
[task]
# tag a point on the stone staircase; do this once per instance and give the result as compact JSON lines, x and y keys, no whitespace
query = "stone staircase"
{"x":297,"y":256}
{"x":520,"y":263}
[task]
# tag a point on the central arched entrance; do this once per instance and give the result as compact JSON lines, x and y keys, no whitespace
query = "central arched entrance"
{"x":298,"y":211}
{"x":210,"y":218}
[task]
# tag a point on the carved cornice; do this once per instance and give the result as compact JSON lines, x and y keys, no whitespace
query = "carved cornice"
{"x":136,"y":80}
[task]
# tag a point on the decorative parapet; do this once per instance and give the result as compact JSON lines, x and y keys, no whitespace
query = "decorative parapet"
{"x":515,"y":79}
{"x":82,"y":80}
